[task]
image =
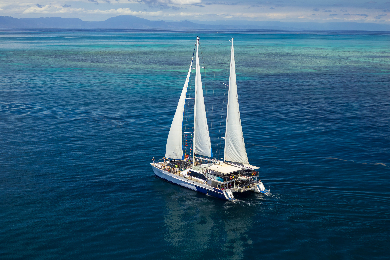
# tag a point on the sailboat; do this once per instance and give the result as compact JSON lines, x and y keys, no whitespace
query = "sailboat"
{"x":203,"y":173}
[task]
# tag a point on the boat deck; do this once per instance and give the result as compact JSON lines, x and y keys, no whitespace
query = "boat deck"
{"x":226,"y":185}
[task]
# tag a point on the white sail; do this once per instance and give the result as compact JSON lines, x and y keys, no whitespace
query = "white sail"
{"x":174,"y":148}
{"x":202,"y":144}
{"x":234,"y":139}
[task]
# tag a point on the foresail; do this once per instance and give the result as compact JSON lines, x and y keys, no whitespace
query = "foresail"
{"x":174,"y":148}
{"x":202,"y":144}
{"x":234,"y":139}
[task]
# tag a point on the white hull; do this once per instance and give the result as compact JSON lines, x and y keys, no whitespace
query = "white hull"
{"x":192,"y":185}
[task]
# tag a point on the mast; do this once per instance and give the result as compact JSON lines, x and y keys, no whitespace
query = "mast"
{"x":234,"y":139}
{"x":196,"y":80}
{"x":201,"y":142}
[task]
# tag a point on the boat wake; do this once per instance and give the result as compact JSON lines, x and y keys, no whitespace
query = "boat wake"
{"x":381,"y":164}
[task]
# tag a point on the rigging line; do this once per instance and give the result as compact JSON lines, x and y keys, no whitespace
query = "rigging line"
{"x":186,"y":113}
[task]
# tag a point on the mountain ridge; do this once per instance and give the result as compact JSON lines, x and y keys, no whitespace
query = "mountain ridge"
{"x":134,"y":22}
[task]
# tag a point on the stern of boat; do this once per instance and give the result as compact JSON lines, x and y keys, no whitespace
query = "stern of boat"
{"x":229,"y":195}
{"x":259,"y":188}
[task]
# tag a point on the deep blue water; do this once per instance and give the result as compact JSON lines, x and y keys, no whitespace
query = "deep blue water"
{"x":82,"y":113}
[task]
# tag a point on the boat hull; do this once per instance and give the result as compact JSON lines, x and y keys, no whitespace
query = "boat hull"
{"x":189,"y":184}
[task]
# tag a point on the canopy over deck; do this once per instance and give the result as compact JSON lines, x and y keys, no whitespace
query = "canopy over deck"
{"x":251,"y":167}
{"x":224,"y":168}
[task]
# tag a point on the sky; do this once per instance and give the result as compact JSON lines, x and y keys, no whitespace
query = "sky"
{"x":363,"y":11}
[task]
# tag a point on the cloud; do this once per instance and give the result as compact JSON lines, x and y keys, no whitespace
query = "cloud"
{"x":364,"y":15}
{"x":65,"y":6}
{"x":39,"y":6}
{"x":327,"y":11}
{"x":109,"y":1}
{"x":51,"y":9}
{"x":185,"y":2}
{"x":170,"y":2}
{"x":226,"y":3}
{"x":123,"y":11}
{"x":316,"y":9}
{"x":380,"y":16}
{"x":333,"y":14}
{"x":58,"y":9}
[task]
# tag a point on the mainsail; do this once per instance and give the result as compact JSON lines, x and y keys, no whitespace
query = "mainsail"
{"x":174,"y":149}
{"x":202,"y":144}
{"x":234,"y":139}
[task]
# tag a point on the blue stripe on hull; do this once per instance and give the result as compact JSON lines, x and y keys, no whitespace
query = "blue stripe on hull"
{"x":211,"y":193}
{"x":166,"y":176}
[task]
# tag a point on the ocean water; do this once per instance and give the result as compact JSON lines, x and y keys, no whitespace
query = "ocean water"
{"x":82,"y":114}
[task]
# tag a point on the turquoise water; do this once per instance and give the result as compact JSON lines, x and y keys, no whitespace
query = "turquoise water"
{"x":82,"y":113}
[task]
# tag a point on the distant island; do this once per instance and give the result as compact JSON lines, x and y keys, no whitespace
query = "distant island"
{"x":133,"y":22}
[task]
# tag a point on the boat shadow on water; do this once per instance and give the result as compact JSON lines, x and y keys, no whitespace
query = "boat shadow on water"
{"x":202,"y":227}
